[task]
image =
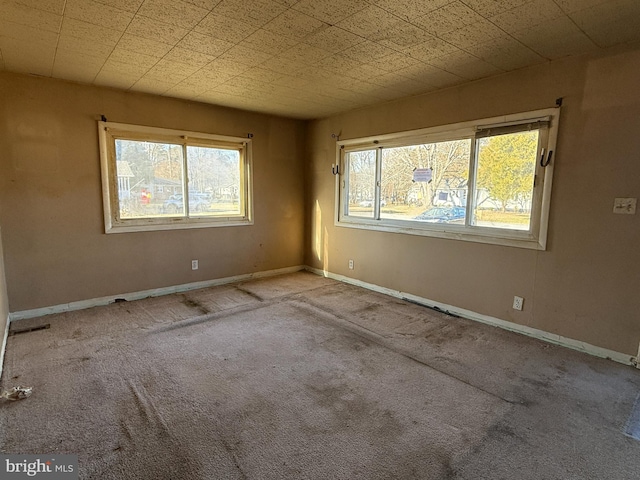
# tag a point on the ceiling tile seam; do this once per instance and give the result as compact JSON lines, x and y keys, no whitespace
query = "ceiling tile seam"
{"x":365,"y":39}
{"x":578,"y":26}
{"x":517,"y":40}
{"x":470,"y":56}
{"x":226,"y":17}
{"x":159,"y":59}
{"x":462,"y":49}
{"x":421,"y":28}
{"x":267,"y":60}
{"x":389,"y":13}
{"x":301,"y":40}
{"x":142,"y":77}
{"x":29,"y":5}
{"x":329,"y":25}
{"x":116,"y":44}
{"x":225,"y":51}
{"x":407,"y":20}
{"x":230,"y":80}
{"x":444,"y":69}
{"x":107,"y":4}
{"x":55,"y":52}
{"x":324,"y":27}
{"x":203,"y":67}
{"x":466,"y":4}
{"x":434,"y":36}
{"x":333,"y":25}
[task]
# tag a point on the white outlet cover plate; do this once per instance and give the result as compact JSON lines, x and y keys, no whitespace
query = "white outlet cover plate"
{"x":625,"y":205}
{"x":518,"y":303}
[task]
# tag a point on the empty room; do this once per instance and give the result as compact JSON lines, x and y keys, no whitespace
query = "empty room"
{"x":319,"y":239}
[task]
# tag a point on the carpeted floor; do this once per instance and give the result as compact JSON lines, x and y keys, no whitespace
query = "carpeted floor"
{"x":301,"y":377}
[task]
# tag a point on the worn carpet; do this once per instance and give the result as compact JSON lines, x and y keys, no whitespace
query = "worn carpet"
{"x":301,"y":377}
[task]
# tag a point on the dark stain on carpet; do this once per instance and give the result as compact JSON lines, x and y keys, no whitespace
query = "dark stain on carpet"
{"x":250,"y":293}
{"x":191,"y":303}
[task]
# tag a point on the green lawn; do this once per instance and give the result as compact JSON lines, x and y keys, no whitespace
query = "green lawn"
{"x":502,"y":217}
{"x":482,"y":215}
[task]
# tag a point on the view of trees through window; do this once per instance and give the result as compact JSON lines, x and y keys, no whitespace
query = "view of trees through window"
{"x":447,"y":165}
{"x":150,"y":178}
{"x":362,"y":183}
{"x":430,"y":182}
{"x":506,"y":167}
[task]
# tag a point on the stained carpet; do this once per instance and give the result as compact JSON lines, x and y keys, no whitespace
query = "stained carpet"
{"x":301,"y":377}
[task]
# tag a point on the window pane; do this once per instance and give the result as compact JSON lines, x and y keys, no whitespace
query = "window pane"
{"x":426,"y":183}
{"x":504,"y":185}
{"x":149,"y":179}
{"x":362,"y":183}
{"x":214,"y":181}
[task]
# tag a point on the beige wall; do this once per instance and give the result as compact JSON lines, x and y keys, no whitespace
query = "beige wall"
{"x":55,"y":247}
{"x":586,"y":285}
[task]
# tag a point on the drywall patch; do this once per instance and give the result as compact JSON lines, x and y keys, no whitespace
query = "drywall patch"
{"x":632,"y":428}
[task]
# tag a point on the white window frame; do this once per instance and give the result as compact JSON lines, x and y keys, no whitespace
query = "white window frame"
{"x":109,"y":132}
{"x":534,"y":238}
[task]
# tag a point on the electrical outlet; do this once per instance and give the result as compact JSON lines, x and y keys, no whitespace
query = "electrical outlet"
{"x":194,"y":264}
{"x":350,"y":264}
{"x":518,"y":303}
{"x":625,"y":205}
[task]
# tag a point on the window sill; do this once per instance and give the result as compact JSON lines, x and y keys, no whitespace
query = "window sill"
{"x":179,"y":224}
{"x":452,"y":232}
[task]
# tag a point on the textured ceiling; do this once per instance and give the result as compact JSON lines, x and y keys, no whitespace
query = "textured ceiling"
{"x":307,"y":58}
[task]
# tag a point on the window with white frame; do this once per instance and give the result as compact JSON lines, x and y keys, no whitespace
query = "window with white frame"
{"x":158,"y":179}
{"x":485,"y":181}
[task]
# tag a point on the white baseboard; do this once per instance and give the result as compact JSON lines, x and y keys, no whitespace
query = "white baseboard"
{"x":3,"y":347}
{"x":496,"y":322}
{"x":156,"y":292}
